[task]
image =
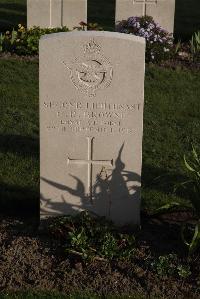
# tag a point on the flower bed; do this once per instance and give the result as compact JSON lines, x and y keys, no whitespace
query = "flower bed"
{"x":159,"y":42}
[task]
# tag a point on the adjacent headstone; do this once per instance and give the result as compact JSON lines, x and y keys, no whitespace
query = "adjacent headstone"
{"x":161,"y":10}
{"x":56,"y":13}
{"x":91,"y":124}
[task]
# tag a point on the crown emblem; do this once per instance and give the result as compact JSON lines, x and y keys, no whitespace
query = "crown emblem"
{"x":91,"y":47}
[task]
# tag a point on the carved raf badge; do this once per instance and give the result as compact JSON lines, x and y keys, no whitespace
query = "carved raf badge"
{"x":92,"y":71}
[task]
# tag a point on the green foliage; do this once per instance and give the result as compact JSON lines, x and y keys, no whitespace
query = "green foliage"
{"x":94,"y":26}
{"x":194,"y":242}
{"x":88,"y":26}
{"x":92,"y":237}
{"x":193,"y":187}
{"x":168,"y":265}
{"x":193,"y":166}
{"x":184,"y":271}
{"x":25,"y":41}
{"x":195,"y":47}
{"x":2,"y":37}
{"x":177,"y":47}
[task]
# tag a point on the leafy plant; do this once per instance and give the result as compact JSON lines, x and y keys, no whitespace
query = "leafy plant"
{"x":177,"y":47}
{"x":193,"y":166}
{"x":193,"y":186}
{"x":25,"y":41}
{"x":168,"y":265}
{"x":164,"y":265}
{"x":91,"y":237}
{"x":1,"y":41}
{"x":109,"y":246}
{"x":88,"y":26}
{"x":195,"y":46}
{"x":159,"y":42}
{"x":184,"y":271}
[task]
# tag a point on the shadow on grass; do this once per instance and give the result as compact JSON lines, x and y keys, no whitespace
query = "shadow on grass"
{"x":18,"y":7}
{"x":24,"y":202}
{"x":22,"y":145}
{"x":187,"y":18}
{"x":102,"y":12}
{"x":161,"y":179}
{"x":161,"y":182}
{"x":19,"y":201}
{"x":12,"y":14}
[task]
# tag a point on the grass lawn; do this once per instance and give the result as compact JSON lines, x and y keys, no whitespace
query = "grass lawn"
{"x":19,"y":162}
{"x":171,"y":123}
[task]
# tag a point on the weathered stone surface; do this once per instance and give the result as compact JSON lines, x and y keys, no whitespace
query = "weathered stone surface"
{"x":161,"y":10}
{"x":91,"y":124}
{"x":56,"y":13}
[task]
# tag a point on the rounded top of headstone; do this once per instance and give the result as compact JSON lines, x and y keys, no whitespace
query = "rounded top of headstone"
{"x":104,"y":34}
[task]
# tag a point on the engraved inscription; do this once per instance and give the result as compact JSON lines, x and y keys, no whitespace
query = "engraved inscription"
{"x":145,"y":3}
{"x":92,"y":71}
{"x":90,"y":117}
{"x":90,"y":162}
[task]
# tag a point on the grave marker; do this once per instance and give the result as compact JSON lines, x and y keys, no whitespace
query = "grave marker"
{"x":56,"y":13}
{"x":91,"y":119}
{"x":161,"y":10}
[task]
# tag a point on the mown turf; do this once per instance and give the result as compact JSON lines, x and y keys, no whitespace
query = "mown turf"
{"x":19,"y":148}
{"x":171,"y":124}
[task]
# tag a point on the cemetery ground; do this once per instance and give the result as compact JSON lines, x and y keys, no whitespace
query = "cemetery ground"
{"x":36,"y":264}
{"x":32,"y":259}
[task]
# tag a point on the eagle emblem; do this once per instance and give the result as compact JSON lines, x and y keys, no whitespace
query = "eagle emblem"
{"x":92,"y":71}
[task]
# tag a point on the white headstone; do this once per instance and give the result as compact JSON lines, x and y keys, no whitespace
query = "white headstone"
{"x":56,"y":13}
{"x":91,"y":124}
{"x":161,"y":10}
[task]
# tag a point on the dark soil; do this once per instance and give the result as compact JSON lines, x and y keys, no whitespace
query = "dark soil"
{"x":31,"y":259}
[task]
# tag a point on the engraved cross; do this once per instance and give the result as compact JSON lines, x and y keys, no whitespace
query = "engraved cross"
{"x":90,"y":162}
{"x":145,"y":3}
